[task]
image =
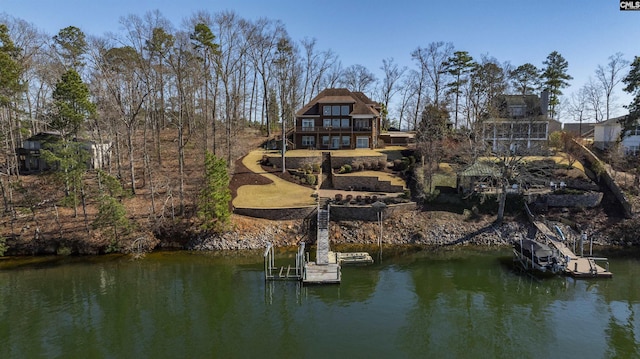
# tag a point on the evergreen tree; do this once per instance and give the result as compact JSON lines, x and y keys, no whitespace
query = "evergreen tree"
{"x":213,"y":206}
{"x":71,"y":103}
{"x":71,"y":44}
{"x":10,"y":69}
{"x":632,"y":80}
{"x":458,"y":66}
{"x":555,"y":78}
{"x":112,"y":215}
{"x":525,"y":78}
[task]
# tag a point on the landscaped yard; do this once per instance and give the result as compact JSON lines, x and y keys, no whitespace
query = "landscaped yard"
{"x":278,"y":193}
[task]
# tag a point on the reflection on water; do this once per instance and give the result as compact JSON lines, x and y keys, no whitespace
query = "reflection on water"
{"x":455,"y":303}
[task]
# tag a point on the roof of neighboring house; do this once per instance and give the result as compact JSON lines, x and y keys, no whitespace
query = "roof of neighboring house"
{"x":530,"y":102}
{"x":480,"y":169}
{"x":584,"y":129}
{"x":612,"y":121}
{"x":45,"y":136}
{"x":362,"y":105}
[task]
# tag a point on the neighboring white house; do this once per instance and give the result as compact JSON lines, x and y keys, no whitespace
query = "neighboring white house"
{"x":607,"y":133}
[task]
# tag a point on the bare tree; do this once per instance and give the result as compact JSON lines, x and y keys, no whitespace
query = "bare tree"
{"x":357,"y":78}
{"x":593,"y":94}
{"x":389,"y":87}
{"x":610,"y":76}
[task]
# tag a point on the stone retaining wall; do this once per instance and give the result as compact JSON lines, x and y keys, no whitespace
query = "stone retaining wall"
{"x":276,"y":214}
{"x":609,"y":182}
{"x":364,"y":183}
{"x":367,"y":213}
{"x":294,"y":162}
{"x":586,"y":200}
{"x":338,"y":161}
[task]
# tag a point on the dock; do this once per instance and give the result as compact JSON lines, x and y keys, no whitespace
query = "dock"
{"x":327,"y":267}
{"x":577,"y":266}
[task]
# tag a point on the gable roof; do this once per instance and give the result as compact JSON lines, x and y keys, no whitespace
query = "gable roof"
{"x":612,"y":121}
{"x":362,"y":105}
{"x":481,"y":169}
{"x":575,"y":128}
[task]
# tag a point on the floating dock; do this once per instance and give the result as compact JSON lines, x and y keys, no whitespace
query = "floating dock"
{"x":577,"y":266}
{"x":327,"y":267}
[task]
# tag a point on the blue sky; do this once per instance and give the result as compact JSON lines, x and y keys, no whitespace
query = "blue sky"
{"x":585,"y":32}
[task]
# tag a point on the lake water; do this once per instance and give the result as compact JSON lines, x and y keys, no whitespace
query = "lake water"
{"x":463,"y":303}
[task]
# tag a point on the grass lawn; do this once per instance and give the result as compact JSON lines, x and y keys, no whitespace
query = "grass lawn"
{"x":279,"y":193}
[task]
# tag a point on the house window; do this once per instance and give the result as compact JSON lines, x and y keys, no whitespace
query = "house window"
{"x":633,"y":132}
{"x":307,"y":124}
{"x":309,"y":141}
{"x":361,"y":124}
{"x":31,"y":145}
{"x":346,"y":141}
{"x":325,"y":140}
{"x":344,"y":110}
{"x":335,"y":110}
{"x":539,"y":130}
{"x":520,"y":130}
{"x":326,"y":110}
{"x":335,"y":123}
{"x":326,"y":122}
{"x":344,"y":123}
{"x":362,"y":142}
{"x":516,"y":110}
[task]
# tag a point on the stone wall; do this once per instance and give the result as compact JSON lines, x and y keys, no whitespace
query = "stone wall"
{"x":364,"y":183}
{"x":367,"y":213}
{"x":276,"y":214}
{"x":339,"y":161}
{"x":294,"y":162}
{"x":586,"y":200}
{"x":609,"y":182}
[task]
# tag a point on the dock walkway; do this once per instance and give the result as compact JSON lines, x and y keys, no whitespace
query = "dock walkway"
{"x":577,"y":266}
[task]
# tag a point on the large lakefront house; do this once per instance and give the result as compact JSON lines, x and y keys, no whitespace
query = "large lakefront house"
{"x":521,"y":123}
{"x":337,"y":119}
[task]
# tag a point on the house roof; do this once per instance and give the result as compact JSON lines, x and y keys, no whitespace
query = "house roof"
{"x":612,"y":121}
{"x":481,"y":169}
{"x":531,"y":104}
{"x":362,"y":105}
{"x":576,"y":128}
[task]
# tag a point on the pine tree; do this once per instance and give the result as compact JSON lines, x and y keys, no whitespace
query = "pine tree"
{"x":213,"y":206}
{"x":555,"y":79}
{"x":525,"y":78}
{"x":10,"y":69}
{"x":632,"y":80}
{"x":459,"y":66}
{"x":72,"y":104}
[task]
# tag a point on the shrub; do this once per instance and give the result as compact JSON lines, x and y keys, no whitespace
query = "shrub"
{"x":311,"y":179}
{"x":316,"y":167}
{"x":3,"y":246}
{"x":307,"y":168}
{"x":345,"y":169}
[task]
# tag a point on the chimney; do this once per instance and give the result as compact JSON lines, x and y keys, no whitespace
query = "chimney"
{"x":544,"y":102}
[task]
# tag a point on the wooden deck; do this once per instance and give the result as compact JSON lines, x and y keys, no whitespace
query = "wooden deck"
{"x":581,"y":267}
{"x":577,"y":267}
{"x":321,"y":274}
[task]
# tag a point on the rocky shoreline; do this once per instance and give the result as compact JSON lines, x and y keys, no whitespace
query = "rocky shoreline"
{"x":439,"y":229}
